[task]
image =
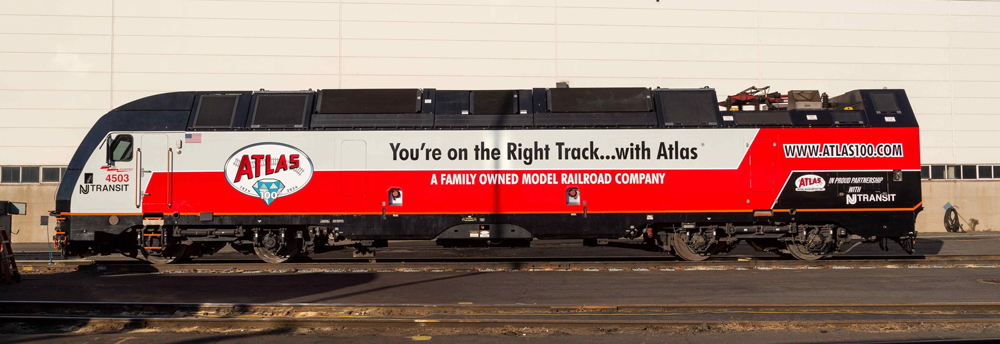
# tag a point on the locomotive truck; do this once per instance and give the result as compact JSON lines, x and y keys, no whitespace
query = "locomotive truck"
{"x":286,"y":174}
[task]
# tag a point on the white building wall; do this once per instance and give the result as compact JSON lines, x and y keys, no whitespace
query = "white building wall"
{"x":63,"y":63}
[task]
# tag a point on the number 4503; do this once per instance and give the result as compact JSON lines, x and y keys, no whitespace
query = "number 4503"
{"x":117,"y":178}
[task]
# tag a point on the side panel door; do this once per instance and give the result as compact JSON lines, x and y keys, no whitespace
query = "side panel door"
{"x":154,"y":171}
{"x":762,"y":164}
{"x":353,"y":166}
{"x":108,"y":181}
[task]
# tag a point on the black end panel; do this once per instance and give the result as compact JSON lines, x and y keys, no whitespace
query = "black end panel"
{"x":175,"y":101}
{"x":687,"y":107}
{"x":812,"y":194}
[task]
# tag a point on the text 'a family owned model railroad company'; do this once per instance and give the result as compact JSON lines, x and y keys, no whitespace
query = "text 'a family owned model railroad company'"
{"x":532,"y":178}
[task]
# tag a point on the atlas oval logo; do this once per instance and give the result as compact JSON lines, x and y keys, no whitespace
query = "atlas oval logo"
{"x":810,"y":183}
{"x":269,"y":171}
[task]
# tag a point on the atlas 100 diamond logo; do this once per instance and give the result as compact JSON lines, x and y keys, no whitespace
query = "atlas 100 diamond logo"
{"x":268,"y":171}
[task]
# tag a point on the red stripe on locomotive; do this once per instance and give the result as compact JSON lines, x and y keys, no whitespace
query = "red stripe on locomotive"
{"x":758,"y":179}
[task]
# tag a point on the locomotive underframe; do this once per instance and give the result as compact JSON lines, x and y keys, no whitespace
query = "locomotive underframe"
{"x":691,"y":236}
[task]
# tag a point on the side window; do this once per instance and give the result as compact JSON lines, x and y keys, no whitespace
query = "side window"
{"x":120,"y":149}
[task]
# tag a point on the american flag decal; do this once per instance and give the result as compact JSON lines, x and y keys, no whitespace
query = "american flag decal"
{"x":192,"y":138}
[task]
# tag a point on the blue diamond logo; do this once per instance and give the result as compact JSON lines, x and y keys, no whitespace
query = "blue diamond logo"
{"x":269,"y":189}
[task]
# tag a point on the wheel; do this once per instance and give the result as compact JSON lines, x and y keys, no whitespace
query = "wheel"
{"x":801,"y":252}
{"x":683,"y":249}
{"x":273,"y":250}
{"x":812,"y":244}
{"x":173,"y":254}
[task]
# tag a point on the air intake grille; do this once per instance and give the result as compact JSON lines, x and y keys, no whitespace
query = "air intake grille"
{"x":848,"y":117}
{"x":885,"y":102}
{"x":688,"y":107}
{"x":596,"y":100}
{"x":494,"y":103}
{"x":451,"y":102}
{"x":280,"y":111}
{"x":216,"y":111}
{"x":372,"y":101}
{"x":762,"y":118}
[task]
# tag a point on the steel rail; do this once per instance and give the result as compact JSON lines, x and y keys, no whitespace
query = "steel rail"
{"x":14,"y":306}
{"x":576,"y":259}
{"x":508,"y":264}
{"x":207,"y":316}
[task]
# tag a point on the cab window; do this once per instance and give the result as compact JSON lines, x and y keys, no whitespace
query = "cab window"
{"x":120,"y":149}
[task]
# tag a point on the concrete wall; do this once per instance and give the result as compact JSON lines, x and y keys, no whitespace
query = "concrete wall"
{"x":974,"y":199}
{"x":41,"y":200}
{"x":63,"y":63}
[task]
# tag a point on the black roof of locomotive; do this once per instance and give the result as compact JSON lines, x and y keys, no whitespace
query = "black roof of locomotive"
{"x":352,"y":109}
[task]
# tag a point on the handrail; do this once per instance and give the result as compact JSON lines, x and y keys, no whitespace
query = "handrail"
{"x":138,"y":176}
{"x":170,"y":177}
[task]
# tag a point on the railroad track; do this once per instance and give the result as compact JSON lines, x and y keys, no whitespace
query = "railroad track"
{"x":339,"y":265}
{"x":170,"y":316}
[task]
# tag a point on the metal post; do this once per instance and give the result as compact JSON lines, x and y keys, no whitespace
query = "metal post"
{"x":50,"y":246}
{"x":45,"y":222}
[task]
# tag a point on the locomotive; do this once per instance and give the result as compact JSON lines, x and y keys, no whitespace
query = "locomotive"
{"x":287,"y":174}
